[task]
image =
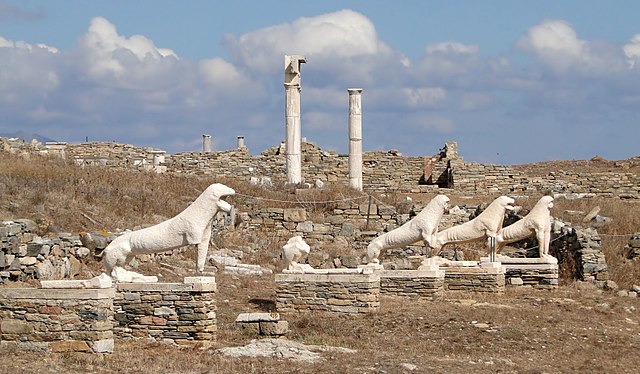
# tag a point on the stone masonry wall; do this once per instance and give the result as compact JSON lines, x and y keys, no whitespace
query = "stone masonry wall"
{"x":26,"y":255}
{"x":180,"y":313}
{"x":57,"y":320}
{"x":580,"y":253}
{"x":382,"y":171}
{"x":335,"y":293}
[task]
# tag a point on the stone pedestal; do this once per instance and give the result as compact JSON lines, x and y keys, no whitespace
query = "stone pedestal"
{"x":355,"y":293}
{"x":487,"y":277}
{"x":414,"y":283}
{"x":530,"y":272}
{"x":180,"y":313}
{"x":66,"y":319}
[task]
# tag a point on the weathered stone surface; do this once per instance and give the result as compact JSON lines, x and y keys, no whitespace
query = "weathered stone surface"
{"x":69,"y":346}
{"x":276,"y":328}
{"x":103,"y":346}
{"x":183,"y":313}
{"x":333,"y":293}
{"x":295,"y":215}
{"x":257,"y":317}
{"x":8,"y":326}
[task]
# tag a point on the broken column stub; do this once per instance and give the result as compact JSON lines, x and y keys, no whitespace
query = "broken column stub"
{"x":206,"y":143}
{"x":355,"y":138}
{"x":292,"y":117}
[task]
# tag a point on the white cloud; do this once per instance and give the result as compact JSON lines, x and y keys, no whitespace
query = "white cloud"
{"x":424,"y":97}
{"x":110,"y":57}
{"x":632,"y":51}
{"x":452,"y":48}
{"x":26,"y":67}
{"x":343,"y":43}
{"x":449,"y":59}
{"x":556,"y":44}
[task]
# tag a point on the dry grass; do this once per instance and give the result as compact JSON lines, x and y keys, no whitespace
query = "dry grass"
{"x":64,"y":197}
{"x":573,"y":329}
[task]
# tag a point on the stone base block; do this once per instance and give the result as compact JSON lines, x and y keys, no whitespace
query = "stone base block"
{"x":182,"y":313}
{"x":333,"y":293}
{"x":531,"y":275}
{"x":477,"y":279}
{"x":57,"y":319}
{"x":268,"y":324}
{"x":414,"y":283}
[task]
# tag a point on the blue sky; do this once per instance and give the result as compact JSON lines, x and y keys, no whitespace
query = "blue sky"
{"x":510,"y":81}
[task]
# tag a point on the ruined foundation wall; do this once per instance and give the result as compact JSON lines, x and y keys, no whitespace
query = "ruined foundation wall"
{"x":382,"y":171}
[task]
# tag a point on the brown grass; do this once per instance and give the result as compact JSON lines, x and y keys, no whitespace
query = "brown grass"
{"x":64,"y":197}
{"x":573,"y":329}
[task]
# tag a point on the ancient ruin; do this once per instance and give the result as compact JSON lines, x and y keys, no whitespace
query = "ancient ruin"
{"x":423,"y":227}
{"x":293,"y":251}
{"x":191,"y":226}
{"x":537,"y":222}
{"x":293,"y":138}
{"x":484,"y":226}
{"x":355,"y":138}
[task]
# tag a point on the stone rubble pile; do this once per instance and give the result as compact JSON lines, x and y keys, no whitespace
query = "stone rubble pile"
{"x":26,"y":255}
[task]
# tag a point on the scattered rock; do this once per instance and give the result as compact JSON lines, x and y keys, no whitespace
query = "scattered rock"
{"x":408,"y":367}
{"x":282,"y":348}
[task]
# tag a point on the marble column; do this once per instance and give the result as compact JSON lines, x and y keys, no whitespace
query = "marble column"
{"x":240,"y":143}
{"x":292,"y":117}
{"x":206,"y":143}
{"x":355,"y":138}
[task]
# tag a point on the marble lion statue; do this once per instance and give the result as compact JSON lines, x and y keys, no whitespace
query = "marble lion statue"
{"x":423,"y":226}
{"x":191,"y":226}
{"x":537,"y":222}
{"x":293,"y":251}
{"x":484,"y":226}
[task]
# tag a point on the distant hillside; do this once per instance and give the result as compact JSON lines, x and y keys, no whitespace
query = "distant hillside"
{"x":27,"y":136}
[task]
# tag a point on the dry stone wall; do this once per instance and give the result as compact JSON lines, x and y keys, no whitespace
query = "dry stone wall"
{"x":382,"y":171}
{"x":57,"y":320}
{"x":178,"y":313}
{"x":335,"y":293}
{"x":26,"y":255}
{"x":632,"y":250}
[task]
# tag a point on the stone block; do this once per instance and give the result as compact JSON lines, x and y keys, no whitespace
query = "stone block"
{"x":69,"y":346}
{"x":258,"y":317}
{"x":12,"y":326}
{"x":295,"y":215}
{"x":103,"y":346}
{"x":276,"y":328}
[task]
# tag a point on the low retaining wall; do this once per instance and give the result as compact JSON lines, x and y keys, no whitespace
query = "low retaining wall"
{"x":57,"y":320}
{"x":334,"y":293}
{"x":180,"y":313}
{"x":414,"y":283}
